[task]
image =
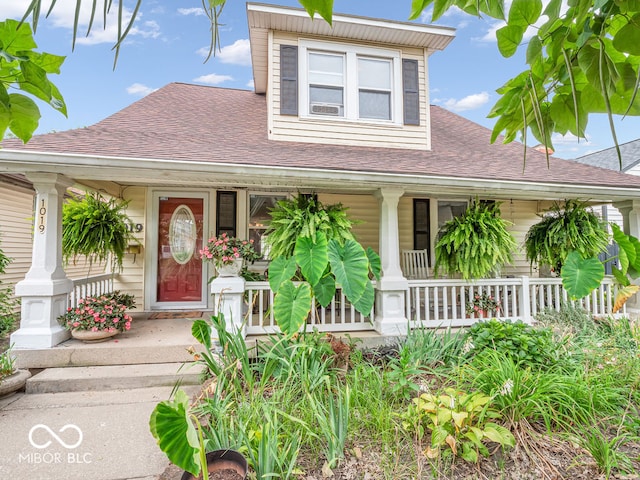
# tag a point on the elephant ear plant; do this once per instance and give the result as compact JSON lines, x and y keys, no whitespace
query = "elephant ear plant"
{"x":476,"y":243}
{"x":322,"y":265}
{"x":97,"y":228}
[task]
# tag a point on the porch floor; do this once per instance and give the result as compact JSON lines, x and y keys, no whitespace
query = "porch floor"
{"x":159,"y":340}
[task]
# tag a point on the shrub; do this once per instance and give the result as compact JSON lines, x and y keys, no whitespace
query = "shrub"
{"x":522,"y":342}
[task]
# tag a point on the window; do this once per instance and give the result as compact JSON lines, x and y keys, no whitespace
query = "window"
{"x":374,"y":88}
{"x":226,"y":213}
{"x":421,"y":230}
{"x":350,"y":82}
{"x":448,"y":209}
{"x":326,"y":84}
{"x":259,"y":207}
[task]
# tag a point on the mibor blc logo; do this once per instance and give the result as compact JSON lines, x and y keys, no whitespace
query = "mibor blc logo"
{"x":42,"y":436}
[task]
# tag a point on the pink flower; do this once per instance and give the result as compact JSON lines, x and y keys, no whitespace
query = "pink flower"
{"x":76,"y":324}
{"x":116,"y":320}
{"x":94,"y":329}
{"x":127,"y":326}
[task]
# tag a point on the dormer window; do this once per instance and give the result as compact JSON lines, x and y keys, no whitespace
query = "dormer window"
{"x":351,"y":82}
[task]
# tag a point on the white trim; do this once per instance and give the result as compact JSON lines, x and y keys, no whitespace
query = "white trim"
{"x":100,"y":167}
{"x":151,"y":253}
{"x":371,"y":22}
{"x":351,"y":53}
{"x":270,"y":85}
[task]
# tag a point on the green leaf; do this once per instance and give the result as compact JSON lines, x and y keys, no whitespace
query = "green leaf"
{"x":499,"y":434}
{"x":291,"y":306}
{"x":312,"y":257}
{"x":509,"y":38}
{"x":534,"y":50}
{"x":418,"y":6}
{"x":24,"y":116}
{"x":580,"y":276}
{"x":627,"y":39}
{"x":35,"y":80}
{"x":325,"y":290}
{"x":201,"y":331}
{"x":364,"y":303}
{"x":524,"y":13}
{"x":350,"y":265}
{"x":323,"y":7}
{"x":439,"y":8}
{"x":469,"y":453}
{"x":621,"y":278}
{"x":374,"y":263}
{"x":627,"y":255}
{"x":438,"y":436}
{"x":177,"y":437}
{"x":16,"y":39}
{"x":280,"y":270}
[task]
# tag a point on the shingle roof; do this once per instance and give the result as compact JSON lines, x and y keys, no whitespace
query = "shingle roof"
{"x":608,"y":158}
{"x":209,"y":124}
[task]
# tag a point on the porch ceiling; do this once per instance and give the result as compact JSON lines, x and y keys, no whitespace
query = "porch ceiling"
{"x":154,"y":172}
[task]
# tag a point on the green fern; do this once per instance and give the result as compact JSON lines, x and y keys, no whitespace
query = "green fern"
{"x":303,"y":216}
{"x":95,"y":228}
{"x":476,"y":243}
{"x":562,"y":230}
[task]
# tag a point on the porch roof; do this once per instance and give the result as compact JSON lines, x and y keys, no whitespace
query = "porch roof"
{"x":197,"y":135}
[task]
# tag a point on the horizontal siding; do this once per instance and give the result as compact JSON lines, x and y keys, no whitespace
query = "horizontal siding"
{"x":364,"y":209}
{"x":16,"y":227}
{"x":522,"y":215}
{"x":131,"y":279}
{"x":341,"y":132}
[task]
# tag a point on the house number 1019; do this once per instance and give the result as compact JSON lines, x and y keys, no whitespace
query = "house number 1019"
{"x":42,"y":211}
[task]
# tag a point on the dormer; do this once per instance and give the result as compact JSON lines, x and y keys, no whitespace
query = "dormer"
{"x":360,"y":82}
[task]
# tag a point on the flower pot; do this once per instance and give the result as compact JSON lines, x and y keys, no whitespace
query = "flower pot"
{"x":223,"y":465}
{"x":88,"y":336}
{"x":232,"y":269}
{"x":14,"y":382}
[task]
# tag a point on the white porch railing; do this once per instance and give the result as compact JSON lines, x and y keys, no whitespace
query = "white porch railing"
{"x":435,"y":303}
{"x":90,"y":286}
{"x":339,"y":315}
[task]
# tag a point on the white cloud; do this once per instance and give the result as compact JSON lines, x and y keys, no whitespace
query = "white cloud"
{"x":140,"y":89}
{"x":570,"y":139}
{"x":213,"y":79}
{"x":63,"y":13}
{"x":191,"y":11}
{"x":238,"y":53}
{"x":250,"y":84}
{"x":470,"y":102}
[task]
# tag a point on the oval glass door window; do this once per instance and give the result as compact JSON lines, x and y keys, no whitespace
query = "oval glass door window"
{"x":182,"y":234}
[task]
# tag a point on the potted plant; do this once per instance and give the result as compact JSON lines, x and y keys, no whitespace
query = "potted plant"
{"x":476,"y":243}
{"x":228,"y":254}
{"x":96,"y":228}
{"x":97,"y":318}
{"x":11,"y":379}
{"x":303,"y":216}
{"x":563,"y":229}
{"x":483,"y":305}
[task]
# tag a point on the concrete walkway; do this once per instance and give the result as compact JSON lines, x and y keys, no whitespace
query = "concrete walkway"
{"x":90,"y":435}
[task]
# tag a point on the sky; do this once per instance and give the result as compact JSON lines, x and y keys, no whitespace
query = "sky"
{"x":169,"y":42}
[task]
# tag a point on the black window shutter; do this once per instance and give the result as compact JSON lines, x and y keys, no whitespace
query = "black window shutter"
{"x":411,"y":92}
{"x":288,"y":80}
{"x":226,"y":213}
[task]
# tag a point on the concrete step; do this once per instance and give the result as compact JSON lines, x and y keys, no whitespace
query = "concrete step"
{"x":114,"y":377}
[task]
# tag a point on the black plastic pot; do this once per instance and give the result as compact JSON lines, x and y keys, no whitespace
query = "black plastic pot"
{"x":219,"y":460}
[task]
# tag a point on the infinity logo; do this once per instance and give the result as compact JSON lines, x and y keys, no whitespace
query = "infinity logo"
{"x":56,"y":437}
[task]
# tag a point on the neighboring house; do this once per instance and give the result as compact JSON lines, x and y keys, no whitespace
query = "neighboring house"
{"x":342,"y":112}
{"x":608,"y":158}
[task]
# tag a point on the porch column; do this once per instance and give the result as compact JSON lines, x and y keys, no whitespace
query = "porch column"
{"x":390,"y":318}
{"x":45,"y":288}
{"x":228,"y":293}
{"x":630,"y":210}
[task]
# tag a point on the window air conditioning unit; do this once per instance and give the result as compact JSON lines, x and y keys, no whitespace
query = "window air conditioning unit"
{"x":325,"y":109}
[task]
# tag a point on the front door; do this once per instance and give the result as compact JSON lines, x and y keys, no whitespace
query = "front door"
{"x":180,"y":236}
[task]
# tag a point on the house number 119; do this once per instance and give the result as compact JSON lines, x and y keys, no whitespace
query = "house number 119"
{"x":42,"y":211}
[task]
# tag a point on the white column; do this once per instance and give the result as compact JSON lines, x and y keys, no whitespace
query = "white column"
{"x":391,"y":289}
{"x":228,"y":294}
{"x":45,"y":288}
{"x":630,"y":211}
